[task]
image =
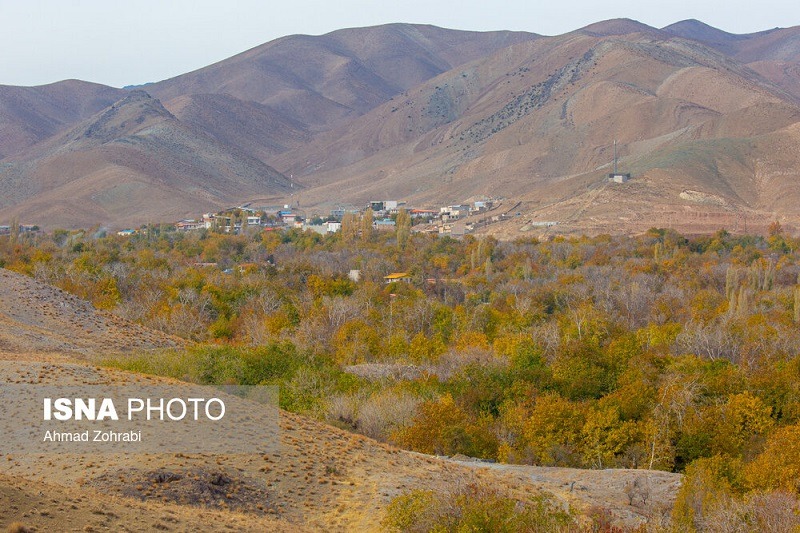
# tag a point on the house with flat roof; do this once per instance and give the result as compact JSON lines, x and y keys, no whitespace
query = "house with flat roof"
{"x":397,"y":277}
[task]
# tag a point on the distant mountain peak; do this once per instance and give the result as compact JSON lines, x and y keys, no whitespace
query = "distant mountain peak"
{"x":619,"y":26}
{"x":700,"y":31}
{"x":134,"y":112}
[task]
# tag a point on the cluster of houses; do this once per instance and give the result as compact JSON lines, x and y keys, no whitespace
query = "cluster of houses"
{"x":22,"y":228}
{"x":384,"y":212}
{"x":451,"y":219}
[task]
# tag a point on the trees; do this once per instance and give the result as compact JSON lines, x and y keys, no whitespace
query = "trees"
{"x":349,"y":230}
{"x":403,"y":228}
{"x":778,"y":466}
{"x":474,"y":506}
{"x":443,"y":428}
{"x":648,"y":352}
{"x":553,"y":430}
{"x":367,"y":224}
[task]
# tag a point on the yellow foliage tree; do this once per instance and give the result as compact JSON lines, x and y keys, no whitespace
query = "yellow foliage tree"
{"x":706,"y":488}
{"x":553,"y":431}
{"x":778,"y":466}
{"x":741,"y":419}
{"x":605,"y":436}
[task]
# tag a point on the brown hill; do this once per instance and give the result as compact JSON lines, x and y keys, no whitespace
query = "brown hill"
{"x":131,"y":163}
{"x":36,"y":316}
{"x":699,"y":31}
{"x":621,"y":26}
{"x":29,"y":115}
{"x":774,"y":54}
{"x":326,"y":80}
{"x":537,"y":120}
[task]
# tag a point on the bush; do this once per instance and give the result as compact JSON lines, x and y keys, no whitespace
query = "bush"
{"x":474,"y":507}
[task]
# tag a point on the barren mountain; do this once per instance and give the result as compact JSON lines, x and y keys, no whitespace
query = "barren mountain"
{"x":703,"y":119}
{"x":325,"y":80}
{"x":536,"y":122}
{"x":31,"y":114}
{"x":774,"y":54}
{"x":133,"y":162}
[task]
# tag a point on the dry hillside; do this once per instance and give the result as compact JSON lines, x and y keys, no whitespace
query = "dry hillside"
{"x":774,"y":54}
{"x":35,"y":316}
{"x":131,"y":163}
{"x":536,"y":123}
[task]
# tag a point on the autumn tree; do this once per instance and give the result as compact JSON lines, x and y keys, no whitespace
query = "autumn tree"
{"x":367,"y":224}
{"x":402,"y":228}
{"x":349,"y":230}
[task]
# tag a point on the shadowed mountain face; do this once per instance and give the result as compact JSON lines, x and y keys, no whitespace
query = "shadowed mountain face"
{"x":30,"y":114}
{"x":705,"y":121}
{"x":128,"y":164}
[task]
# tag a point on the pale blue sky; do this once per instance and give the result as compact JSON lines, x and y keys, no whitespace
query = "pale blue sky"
{"x":132,"y":42}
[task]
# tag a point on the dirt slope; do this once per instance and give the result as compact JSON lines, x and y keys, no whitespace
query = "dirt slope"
{"x":35,"y":316}
{"x":52,"y":507}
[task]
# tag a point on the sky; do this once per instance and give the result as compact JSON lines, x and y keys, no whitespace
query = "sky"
{"x":128,"y":43}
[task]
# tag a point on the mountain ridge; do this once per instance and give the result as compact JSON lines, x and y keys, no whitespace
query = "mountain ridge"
{"x":131,"y":157}
{"x":434,"y":116}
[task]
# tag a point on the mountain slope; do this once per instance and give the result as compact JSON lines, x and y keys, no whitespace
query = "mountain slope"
{"x":715,"y":96}
{"x":131,"y":163}
{"x":326,"y":80}
{"x":774,"y":54}
{"x":29,"y":115}
{"x":537,"y":120}
{"x":434,"y":116}
{"x":251,"y":127}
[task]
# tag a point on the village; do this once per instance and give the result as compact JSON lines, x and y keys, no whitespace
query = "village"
{"x":454,"y":220}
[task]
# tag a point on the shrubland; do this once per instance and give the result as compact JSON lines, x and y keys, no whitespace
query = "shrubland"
{"x":658,"y":351}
